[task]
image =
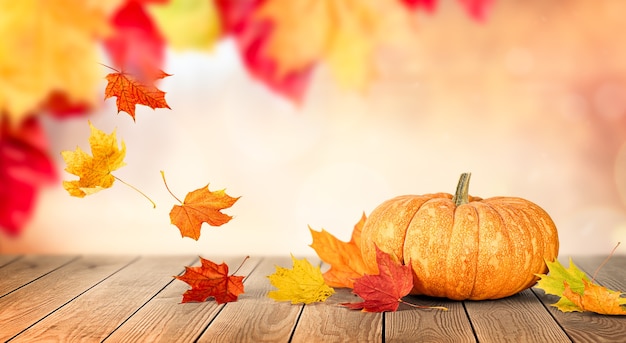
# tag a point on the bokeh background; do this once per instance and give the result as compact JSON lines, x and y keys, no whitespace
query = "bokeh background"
{"x":531,"y":100}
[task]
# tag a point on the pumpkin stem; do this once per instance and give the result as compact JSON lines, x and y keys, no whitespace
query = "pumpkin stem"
{"x":461,"y":195}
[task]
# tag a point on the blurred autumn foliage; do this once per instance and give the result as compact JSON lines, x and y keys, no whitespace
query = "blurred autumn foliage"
{"x":52,"y":52}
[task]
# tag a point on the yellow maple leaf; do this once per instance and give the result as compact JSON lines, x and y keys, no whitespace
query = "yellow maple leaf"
{"x":94,"y":171}
{"x":344,"y":33}
{"x":188,"y":24}
{"x":596,"y":298}
{"x":301,"y":284}
{"x":49,"y":46}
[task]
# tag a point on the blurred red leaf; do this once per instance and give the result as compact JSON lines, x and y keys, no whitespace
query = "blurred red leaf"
{"x":251,"y":34}
{"x":211,"y":280}
{"x":427,"y":5}
{"x":59,"y":105}
{"x":477,"y":9}
{"x":136,"y":46}
{"x":24,"y":168}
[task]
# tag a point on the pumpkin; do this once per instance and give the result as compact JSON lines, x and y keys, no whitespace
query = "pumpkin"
{"x":463,"y":247}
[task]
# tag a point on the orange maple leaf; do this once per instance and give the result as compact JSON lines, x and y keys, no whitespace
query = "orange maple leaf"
{"x":596,"y":298}
{"x":346,"y":262}
{"x":130,"y":92}
{"x":200,"y":206}
{"x":211,"y":280}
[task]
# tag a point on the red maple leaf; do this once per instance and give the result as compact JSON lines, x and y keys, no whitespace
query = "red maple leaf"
{"x":24,"y":168}
{"x":211,"y":280}
{"x":383,"y":292}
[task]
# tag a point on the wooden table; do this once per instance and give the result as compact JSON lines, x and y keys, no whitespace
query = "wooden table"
{"x":135,"y":299}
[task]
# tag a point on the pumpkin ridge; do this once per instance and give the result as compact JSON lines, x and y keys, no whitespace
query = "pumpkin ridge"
{"x":504,"y":223}
{"x":476,"y":253}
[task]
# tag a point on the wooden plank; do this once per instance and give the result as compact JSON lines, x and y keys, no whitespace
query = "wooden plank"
{"x":423,"y":325}
{"x":590,"y":327}
{"x":255,"y":317}
{"x":165,"y":319}
{"x":38,"y":299}
{"x":7,"y":259}
{"x":330,"y":322}
{"x":518,"y":318}
{"x":29,"y":268}
{"x":96,"y":313}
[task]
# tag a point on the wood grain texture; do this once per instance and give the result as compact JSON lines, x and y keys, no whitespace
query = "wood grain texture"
{"x":518,"y":318}
{"x":96,"y":313}
{"x":424,"y":325}
{"x":33,"y":302}
{"x":591,"y":327}
{"x":6,"y":259}
{"x":29,"y":268}
{"x":166,"y":319}
{"x":255,"y":317}
{"x":331,"y":322}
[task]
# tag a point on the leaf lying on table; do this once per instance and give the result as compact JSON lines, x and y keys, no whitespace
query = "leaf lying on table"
{"x":200,"y":206}
{"x":301,"y":284}
{"x":384,"y":291}
{"x":211,"y":280}
{"x":130,"y":92}
{"x":345,"y":260}
{"x":94,"y":172}
{"x":577,"y":293}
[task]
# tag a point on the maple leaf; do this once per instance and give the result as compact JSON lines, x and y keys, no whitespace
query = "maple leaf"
{"x":384,"y":292}
{"x":301,"y":284}
{"x":200,"y":206}
{"x":130,"y":92}
{"x":24,"y":168}
{"x":595,"y":298}
{"x":577,"y":292}
{"x":211,"y":280}
{"x":49,"y":46}
{"x":176,"y":17}
{"x":344,"y":34}
{"x":345,"y":260}
{"x":94,"y":171}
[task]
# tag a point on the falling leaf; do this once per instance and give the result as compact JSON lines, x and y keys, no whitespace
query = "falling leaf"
{"x":131,"y":92}
{"x":301,"y":284}
{"x":136,"y":45}
{"x":94,"y":172}
{"x":252,"y":34}
{"x":176,"y":17}
{"x":24,"y":167}
{"x":49,"y":46}
{"x":200,"y":206}
{"x":211,"y":280}
{"x":383,"y":292}
{"x":345,"y":34}
{"x":345,"y":260}
{"x":595,"y":298}
{"x":577,"y":292}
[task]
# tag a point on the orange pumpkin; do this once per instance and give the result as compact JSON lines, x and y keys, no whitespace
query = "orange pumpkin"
{"x":463,"y":247}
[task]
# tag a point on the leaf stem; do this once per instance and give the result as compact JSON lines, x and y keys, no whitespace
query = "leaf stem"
{"x":604,"y":262}
{"x":424,"y":307}
{"x":104,"y":65}
{"x":242,"y":262}
{"x":168,"y":189}
{"x":136,"y":190}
